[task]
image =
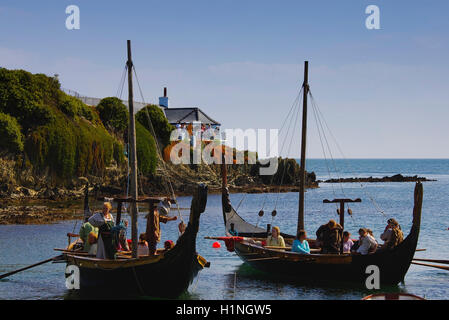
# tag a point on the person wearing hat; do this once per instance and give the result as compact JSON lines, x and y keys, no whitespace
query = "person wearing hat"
{"x":392,"y":235}
{"x":329,"y":237}
{"x":159,"y":214}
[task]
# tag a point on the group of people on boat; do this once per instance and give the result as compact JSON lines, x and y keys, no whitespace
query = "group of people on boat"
{"x":102,"y":237}
{"x":331,"y":239}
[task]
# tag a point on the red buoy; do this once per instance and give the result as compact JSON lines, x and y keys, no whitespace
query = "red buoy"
{"x":216,"y":245}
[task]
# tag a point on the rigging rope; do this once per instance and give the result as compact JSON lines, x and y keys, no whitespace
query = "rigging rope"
{"x":288,"y":117}
{"x":321,"y":116}
{"x":159,"y":153}
{"x":285,"y":166}
{"x":119,"y":96}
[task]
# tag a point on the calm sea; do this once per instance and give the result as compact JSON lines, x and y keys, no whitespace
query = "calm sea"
{"x":228,"y":277}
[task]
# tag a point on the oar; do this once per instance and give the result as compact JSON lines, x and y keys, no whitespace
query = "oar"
{"x":433,"y":260}
{"x":29,"y":267}
{"x":431,"y":265}
{"x":267,"y":258}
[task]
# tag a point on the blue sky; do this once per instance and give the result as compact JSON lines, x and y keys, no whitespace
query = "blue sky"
{"x":384,"y":93}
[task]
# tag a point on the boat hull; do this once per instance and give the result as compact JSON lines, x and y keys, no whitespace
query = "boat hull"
{"x":165,"y":275}
{"x":393,"y":264}
{"x":165,"y":278}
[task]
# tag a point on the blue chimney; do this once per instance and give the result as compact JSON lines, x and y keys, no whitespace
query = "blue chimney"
{"x":163,"y":101}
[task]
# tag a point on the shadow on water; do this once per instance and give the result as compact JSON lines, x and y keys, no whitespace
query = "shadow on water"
{"x":247,"y":277}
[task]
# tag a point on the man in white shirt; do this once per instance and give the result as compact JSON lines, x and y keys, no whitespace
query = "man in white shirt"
{"x":367,"y":243}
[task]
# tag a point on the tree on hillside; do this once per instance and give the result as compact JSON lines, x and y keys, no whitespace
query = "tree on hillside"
{"x":114,"y":114}
{"x":160,"y":123}
{"x":146,"y":150}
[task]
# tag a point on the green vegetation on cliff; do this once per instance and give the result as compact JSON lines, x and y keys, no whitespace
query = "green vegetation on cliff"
{"x":10,"y":133}
{"x":146,"y":150}
{"x":159,"y":121}
{"x":61,"y":134}
{"x":114,"y":115}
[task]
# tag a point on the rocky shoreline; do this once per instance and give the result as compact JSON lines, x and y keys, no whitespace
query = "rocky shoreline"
{"x":49,"y":203}
{"x":394,"y":178}
{"x":38,"y":199}
{"x":46,"y":211}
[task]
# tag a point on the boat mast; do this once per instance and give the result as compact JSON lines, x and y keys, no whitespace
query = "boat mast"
{"x":224,"y":171}
{"x":302,"y":174}
{"x":132,"y":158}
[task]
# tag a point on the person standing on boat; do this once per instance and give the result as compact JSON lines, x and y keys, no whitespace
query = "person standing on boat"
{"x":105,"y":222}
{"x":275,"y":240}
{"x":392,"y":235}
{"x":158,"y":215}
{"x":329,"y":237}
{"x":300,"y":244}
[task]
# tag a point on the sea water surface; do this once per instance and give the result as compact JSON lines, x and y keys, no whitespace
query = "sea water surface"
{"x":228,"y":277}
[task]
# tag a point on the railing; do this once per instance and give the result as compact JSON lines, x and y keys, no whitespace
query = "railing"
{"x":95,"y":101}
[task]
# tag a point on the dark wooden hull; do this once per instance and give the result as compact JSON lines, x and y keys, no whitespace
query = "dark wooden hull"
{"x":166,"y":275}
{"x":393,"y":264}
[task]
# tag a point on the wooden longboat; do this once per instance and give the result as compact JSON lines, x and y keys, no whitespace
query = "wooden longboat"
{"x":393,"y":264}
{"x":164,"y":275}
{"x":167,"y":274}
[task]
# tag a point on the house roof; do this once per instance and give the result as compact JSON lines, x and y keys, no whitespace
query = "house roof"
{"x":187,"y":115}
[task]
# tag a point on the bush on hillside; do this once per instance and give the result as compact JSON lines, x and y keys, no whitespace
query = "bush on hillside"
{"x":74,"y":107}
{"x":64,"y":136}
{"x":11,"y":136}
{"x":28,"y":97}
{"x":160,"y":123}
{"x":114,"y":114}
{"x":69,"y":148}
{"x":146,"y":150}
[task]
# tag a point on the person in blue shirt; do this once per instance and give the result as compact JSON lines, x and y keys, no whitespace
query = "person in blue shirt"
{"x":300,"y":244}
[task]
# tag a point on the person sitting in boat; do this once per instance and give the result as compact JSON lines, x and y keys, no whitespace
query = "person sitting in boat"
{"x":300,"y":244}
{"x":347,"y":242}
{"x":181,"y":228}
{"x":367,"y":243}
{"x":275,"y":239}
{"x":105,"y":222}
{"x":168,"y":245}
{"x":392,"y":235}
{"x":329,"y":237}
{"x":122,"y":242}
{"x":84,"y":232}
{"x":158,"y":215}
{"x":93,"y":240}
{"x":142,"y":246}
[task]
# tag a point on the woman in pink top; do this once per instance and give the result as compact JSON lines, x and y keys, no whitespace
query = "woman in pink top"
{"x":347,"y":242}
